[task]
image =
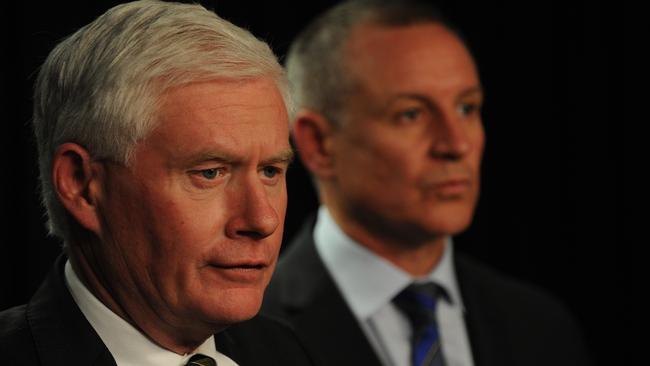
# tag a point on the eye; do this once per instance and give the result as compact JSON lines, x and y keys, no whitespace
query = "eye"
{"x":270,"y":171}
{"x":409,"y":115}
{"x":210,"y":173}
{"x":466,"y":109}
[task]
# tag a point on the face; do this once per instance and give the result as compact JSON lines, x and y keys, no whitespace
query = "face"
{"x":192,"y":228}
{"x":407,"y":157}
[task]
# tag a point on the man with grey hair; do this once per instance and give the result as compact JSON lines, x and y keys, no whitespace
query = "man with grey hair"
{"x":389,"y":125}
{"x":162,"y":133}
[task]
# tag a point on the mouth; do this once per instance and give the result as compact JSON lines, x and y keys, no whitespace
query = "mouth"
{"x":452,"y":182}
{"x":239,"y":272}
{"x":252,"y":264}
{"x":452,"y":187}
{"x":239,"y":267}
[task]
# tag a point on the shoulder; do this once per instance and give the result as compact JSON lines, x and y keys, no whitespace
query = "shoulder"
{"x":269,"y":340}
{"x":299,"y":279}
{"x":523,"y":318}
{"x":300,"y":264}
{"x":478,"y":281}
{"x":16,"y":342}
{"x":13,"y":325}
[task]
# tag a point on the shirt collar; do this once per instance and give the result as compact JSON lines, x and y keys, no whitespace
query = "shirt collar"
{"x":127,"y":345}
{"x":366,"y":280}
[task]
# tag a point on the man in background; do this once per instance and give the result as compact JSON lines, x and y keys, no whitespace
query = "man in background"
{"x":162,"y":134}
{"x":389,"y":125}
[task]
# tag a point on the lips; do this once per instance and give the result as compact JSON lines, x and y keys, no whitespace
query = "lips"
{"x":240,"y":264}
{"x":243,"y":266}
{"x":448,"y":176}
{"x":451,"y":187}
{"x":248,"y":271}
{"x":452,"y":183}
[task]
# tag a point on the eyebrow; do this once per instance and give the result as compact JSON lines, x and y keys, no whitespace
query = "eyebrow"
{"x":471,"y":91}
{"x":205,"y":156}
{"x":426,"y":100}
{"x":285,"y":156}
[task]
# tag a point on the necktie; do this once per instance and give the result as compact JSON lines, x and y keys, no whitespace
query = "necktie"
{"x":201,"y":360}
{"x":418,"y":303}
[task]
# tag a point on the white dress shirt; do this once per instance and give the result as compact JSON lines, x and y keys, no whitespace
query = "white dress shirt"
{"x":126,"y":344}
{"x":369,"y":282}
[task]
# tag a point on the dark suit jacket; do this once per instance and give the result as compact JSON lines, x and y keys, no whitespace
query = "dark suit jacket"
{"x":508,"y":323}
{"x":51,"y":331}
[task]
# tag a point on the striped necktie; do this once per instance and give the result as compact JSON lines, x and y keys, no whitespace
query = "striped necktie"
{"x":201,"y":360}
{"x":418,"y":303}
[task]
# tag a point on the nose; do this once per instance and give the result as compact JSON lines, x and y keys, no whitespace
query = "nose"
{"x":252,"y":213}
{"x":450,"y":137}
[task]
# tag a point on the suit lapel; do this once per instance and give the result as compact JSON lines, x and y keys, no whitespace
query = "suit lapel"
{"x":318,"y":312}
{"x":61,"y":333}
{"x":225,"y":344}
{"x":483,"y":318}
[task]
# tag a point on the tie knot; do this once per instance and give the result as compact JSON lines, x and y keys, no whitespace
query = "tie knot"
{"x":201,"y":360}
{"x":418,"y":302}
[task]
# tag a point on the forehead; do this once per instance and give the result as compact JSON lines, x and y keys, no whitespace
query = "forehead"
{"x":220,"y":95}
{"x":424,"y":55}
{"x":224,"y":116}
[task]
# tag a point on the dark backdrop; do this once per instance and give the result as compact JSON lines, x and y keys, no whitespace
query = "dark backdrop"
{"x":552,"y":178}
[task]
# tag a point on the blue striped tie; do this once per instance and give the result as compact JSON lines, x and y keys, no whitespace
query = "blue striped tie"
{"x":418,"y":302}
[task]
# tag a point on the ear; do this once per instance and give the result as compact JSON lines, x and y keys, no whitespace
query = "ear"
{"x":312,"y":134}
{"x":76,"y":181}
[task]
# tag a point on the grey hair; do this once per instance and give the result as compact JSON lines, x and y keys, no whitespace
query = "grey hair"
{"x":316,"y":63}
{"x":101,"y":87}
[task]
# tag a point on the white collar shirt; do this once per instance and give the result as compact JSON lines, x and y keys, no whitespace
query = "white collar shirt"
{"x":368,"y":284}
{"x":127,"y":345}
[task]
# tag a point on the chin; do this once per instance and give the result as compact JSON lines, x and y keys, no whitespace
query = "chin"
{"x":449,"y":223}
{"x":233,"y":306}
{"x":455,"y":228}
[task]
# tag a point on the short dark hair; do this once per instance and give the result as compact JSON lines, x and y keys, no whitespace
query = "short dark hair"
{"x":315,"y":62}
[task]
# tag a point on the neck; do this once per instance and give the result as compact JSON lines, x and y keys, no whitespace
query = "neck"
{"x":417,"y":261}
{"x":137,"y":313}
{"x":417,"y":257}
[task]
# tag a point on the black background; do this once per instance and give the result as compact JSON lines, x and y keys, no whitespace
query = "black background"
{"x":550,"y":211}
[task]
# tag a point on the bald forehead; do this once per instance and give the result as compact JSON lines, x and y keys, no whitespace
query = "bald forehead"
{"x":427,"y":51}
{"x":376,"y":40}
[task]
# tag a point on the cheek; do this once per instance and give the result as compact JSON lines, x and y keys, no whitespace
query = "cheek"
{"x":278,"y":197}
{"x":179,"y":227}
{"x":126,"y":222}
{"x":184,"y":225}
{"x":380,"y":160}
{"x":477,"y":152}
{"x":477,"y":135}
{"x":278,"y":201}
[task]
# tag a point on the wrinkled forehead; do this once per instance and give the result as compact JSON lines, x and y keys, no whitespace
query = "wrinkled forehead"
{"x":231,"y":120}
